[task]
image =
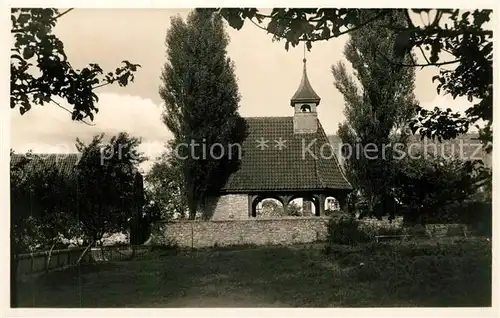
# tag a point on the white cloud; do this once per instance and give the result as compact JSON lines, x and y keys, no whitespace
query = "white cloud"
{"x":49,"y":128}
{"x":460,"y":104}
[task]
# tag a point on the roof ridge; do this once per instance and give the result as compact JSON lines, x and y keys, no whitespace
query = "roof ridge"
{"x":265,"y":117}
{"x":46,"y":153}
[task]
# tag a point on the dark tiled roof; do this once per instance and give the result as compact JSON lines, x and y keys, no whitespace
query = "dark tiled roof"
{"x":66,"y":162}
{"x":289,"y":169}
{"x":305,"y":93}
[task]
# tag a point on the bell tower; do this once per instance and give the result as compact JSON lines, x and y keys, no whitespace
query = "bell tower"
{"x":305,"y":101}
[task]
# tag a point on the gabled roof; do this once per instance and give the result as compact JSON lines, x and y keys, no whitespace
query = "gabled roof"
{"x":305,"y":93}
{"x":293,"y":168}
{"x":66,"y":162}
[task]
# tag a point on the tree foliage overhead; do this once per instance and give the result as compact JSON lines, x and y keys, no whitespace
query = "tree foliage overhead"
{"x":461,"y":34}
{"x":201,"y":102}
{"x":379,"y":102}
{"x":41,"y":71}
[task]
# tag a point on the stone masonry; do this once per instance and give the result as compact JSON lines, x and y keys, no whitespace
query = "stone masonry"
{"x":291,"y":230}
{"x":227,"y":207}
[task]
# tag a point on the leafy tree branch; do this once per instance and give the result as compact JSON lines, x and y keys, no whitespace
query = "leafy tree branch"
{"x":40,"y":69}
{"x":461,"y":33}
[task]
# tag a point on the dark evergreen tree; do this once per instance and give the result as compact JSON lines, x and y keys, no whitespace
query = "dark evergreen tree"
{"x":379,"y":102}
{"x":201,"y":103}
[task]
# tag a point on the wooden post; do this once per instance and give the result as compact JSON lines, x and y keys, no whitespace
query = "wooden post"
{"x":321,"y":201}
{"x":13,"y":277}
{"x":32,"y":264}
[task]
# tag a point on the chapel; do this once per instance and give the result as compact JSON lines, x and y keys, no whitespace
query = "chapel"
{"x":283,"y":158}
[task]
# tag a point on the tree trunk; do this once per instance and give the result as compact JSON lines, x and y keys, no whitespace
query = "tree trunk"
{"x":102,"y":250}
{"x":84,"y":252}
{"x":48,"y":257}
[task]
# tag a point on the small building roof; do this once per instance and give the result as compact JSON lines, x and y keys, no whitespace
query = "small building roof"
{"x":304,"y":162}
{"x":66,"y":162}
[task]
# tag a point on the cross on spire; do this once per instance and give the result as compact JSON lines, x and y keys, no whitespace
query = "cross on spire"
{"x":304,"y":52}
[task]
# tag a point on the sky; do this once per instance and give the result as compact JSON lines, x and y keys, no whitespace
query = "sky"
{"x":267,"y":74}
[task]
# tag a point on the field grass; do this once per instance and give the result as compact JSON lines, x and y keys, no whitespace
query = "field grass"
{"x":373,"y":275}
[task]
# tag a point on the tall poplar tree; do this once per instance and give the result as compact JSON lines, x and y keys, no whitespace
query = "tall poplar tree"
{"x":379,"y":102}
{"x":201,"y":103}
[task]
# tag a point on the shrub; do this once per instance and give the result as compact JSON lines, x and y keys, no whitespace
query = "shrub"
{"x":346,"y":231}
{"x":478,"y":215}
{"x":373,"y":227}
{"x":455,"y":230}
{"x":391,"y":230}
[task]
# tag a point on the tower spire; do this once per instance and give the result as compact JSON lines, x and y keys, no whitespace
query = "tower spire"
{"x":305,"y":93}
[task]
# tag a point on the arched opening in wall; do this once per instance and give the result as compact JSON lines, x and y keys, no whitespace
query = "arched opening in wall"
{"x":305,"y":108}
{"x":332,"y":206}
{"x":302,"y":207}
{"x":267,"y":208}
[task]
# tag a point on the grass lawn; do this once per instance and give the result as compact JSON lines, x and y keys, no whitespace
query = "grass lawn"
{"x":423,"y":274}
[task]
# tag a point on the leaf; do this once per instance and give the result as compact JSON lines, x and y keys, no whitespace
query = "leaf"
{"x":235,"y":21}
{"x":271,"y":26}
{"x":308,"y":45}
{"x":28,"y":53}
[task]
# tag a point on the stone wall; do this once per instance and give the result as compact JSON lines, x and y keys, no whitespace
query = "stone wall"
{"x":196,"y":234}
{"x":227,"y":207}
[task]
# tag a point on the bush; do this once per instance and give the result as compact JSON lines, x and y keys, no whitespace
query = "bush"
{"x":455,"y":230}
{"x":373,"y":227}
{"x":391,"y":230}
{"x":346,"y":231}
{"x":478,"y":215}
